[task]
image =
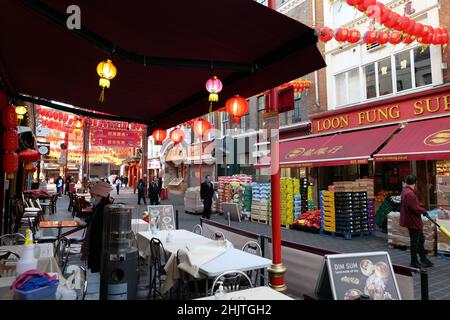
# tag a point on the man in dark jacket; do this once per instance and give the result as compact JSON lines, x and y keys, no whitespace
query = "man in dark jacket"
{"x":153,"y":192}
{"x":207,"y":194}
{"x":410,"y":217}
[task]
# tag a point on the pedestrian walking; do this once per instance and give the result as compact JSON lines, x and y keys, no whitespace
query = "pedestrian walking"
{"x":207,"y":194}
{"x":59,"y":186}
{"x":411,"y":217}
{"x":153,"y":192}
{"x":141,"y":191}
{"x":160,"y":184}
{"x":66,"y":187}
{"x":118,"y":184}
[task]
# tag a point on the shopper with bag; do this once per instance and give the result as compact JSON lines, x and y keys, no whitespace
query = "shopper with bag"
{"x":411,"y":217}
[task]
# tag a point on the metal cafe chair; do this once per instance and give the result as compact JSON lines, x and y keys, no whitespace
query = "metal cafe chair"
{"x":12,"y":239}
{"x":253,"y":247}
{"x":157,"y":271}
{"x":232,"y":280}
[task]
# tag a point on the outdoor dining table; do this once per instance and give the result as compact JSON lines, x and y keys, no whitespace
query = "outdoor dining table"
{"x":139,"y":225}
{"x":208,"y":258}
{"x":257,"y":293}
{"x":59,"y":225}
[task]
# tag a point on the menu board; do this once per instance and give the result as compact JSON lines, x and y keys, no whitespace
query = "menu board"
{"x":351,"y":275}
{"x":164,"y":215}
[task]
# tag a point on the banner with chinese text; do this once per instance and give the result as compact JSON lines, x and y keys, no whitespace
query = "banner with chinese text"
{"x":115,"y":138}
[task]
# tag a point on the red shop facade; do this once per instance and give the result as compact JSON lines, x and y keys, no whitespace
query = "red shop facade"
{"x":384,"y":141}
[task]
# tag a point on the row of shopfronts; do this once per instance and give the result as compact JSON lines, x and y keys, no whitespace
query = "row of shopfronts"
{"x":384,"y":141}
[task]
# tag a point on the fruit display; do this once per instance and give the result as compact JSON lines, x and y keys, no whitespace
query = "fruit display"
{"x":287,"y":200}
{"x":247,"y":198}
{"x":229,"y":190}
{"x":309,"y":219}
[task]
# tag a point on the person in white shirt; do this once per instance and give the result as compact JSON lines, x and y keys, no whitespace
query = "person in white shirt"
{"x":118,"y":184}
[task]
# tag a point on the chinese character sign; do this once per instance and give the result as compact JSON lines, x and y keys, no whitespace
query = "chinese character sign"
{"x":115,"y":138}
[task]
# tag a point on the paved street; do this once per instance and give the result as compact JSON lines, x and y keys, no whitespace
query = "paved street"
{"x":439,"y":275}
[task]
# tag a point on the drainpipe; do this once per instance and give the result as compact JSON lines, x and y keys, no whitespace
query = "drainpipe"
{"x":316,"y":73}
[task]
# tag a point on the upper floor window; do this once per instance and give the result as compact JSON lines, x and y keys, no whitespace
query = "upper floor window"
{"x":261,"y":103}
{"x":225,"y":123}
{"x":405,"y":70}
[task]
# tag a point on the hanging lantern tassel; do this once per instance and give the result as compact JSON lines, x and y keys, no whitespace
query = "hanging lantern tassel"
{"x":106,"y":71}
{"x":214,"y":86}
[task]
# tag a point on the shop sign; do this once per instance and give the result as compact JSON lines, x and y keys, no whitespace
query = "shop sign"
{"x":348,"y":276}
{"x":115,"y":138}
{"x":418,"y":108}
{"x":308,"y":152}
{"x":154,"y":164}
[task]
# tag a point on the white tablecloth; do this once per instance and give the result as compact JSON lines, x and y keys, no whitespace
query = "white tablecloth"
{"x":258,"y":293}
{"x":139,"y":225}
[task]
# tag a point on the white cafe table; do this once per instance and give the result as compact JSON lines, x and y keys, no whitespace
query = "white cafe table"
{"x":258,"y":293}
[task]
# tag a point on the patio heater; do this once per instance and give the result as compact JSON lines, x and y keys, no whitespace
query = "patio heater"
{"x":119,"y":264}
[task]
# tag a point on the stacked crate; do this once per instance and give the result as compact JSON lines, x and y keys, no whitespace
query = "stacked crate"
{"x":261,"y":202}
{"x":304,"y":184}
{"x":327,"y":211}
{"x":247,"y":202}
{"x":297,"y":199}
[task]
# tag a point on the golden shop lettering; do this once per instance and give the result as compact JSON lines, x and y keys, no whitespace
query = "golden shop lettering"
{"x":303,"y":152}
{"x":410,"y":109}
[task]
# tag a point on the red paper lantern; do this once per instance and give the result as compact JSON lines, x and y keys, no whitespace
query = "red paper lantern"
{"x":403,"y":24}
{"x":353,"y":2}
{"x":10,"y":140}
{"x":409,"y":39}
{"x":395,"y":37}
{"x":28,"y":155}
{"x":383,"y":37}
{"x":201,"y":127}
{"x":437,"y":36}
{"x":159,"y":136}
{"x":326,"y":34}
{"x":392,"y":20}
{"x":236,"y":108}
{"x":412,"y":26}
{"x":341,"y":34}
{"x":9,"y":117}
{"x":3,"y":99}
{"x":366,"y":4}
{"x":354,"y":36}
{"x":426,"y":30}
{"x":214,"y":86}
{"x":444,"y":37}
{"x":10,"y":162}
{"x":177,"y":135}
{"x":386,"y":16}
{"x":370,"y":36}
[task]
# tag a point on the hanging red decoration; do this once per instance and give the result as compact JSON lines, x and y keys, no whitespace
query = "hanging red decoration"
{"x":201,"y":127}
{"x":426,"y":30}
{"x":383,"y":37}
{"x":177,"y":135}
{"x":213,"y":86}
{"x":3,"y":99}
{"x":412,"y":26}
{"x":386,"y":16}
{"x":10,"y":162}
{"x":370,"y":36}
{"x":444,"y":37}
{"x":436,"y":39}
{"x":354,"y":36}
{"x":402,"y":24}
{"x":427,"y":39}
{"x":236,"y":108}
{"x":60,"y":116}
{"x":363,"y":6}
{"x":28,"y":155}
{"x":65,"y":117}
{"x":159,"y":136}
{"x":395,"y":37}
{"x":341,"y":34}
{"x":10,"y":140}
{"x":326,"y":34}
{"x":9,"y":117}
{"x":353,"y":2}
{"x":392,"y":20}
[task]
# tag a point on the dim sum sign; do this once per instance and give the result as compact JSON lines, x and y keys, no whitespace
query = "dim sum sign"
{"x":348,"y":276}
{"x":396,"y":111}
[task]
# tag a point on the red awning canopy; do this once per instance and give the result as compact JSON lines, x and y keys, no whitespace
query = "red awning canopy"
{"x":333,"y":150}
{"x":421,"y":140}
{"x":250,"y":47}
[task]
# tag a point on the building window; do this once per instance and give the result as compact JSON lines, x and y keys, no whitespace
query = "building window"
{"x":371,"y":87}
{"x":403,"y":71}
{"x":384,"y":76}
{"x":347,"y":87}
{"x":261,"y":102}
{"x":225,"y":119}
{"x":245,"y":122}
{"x":422,"y":66}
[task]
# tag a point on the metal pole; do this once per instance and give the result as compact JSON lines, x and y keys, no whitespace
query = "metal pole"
{"x":276,"y":270}
{"x":424,"y":284}
{"x":177,"y":222}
